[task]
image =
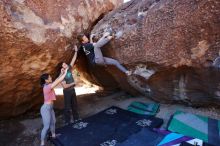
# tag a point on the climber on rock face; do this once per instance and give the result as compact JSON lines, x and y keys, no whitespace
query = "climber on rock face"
{"x":70,"y":101}
{"x":94,"y":53}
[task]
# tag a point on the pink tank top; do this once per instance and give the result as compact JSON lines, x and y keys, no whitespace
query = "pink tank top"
{"x":49,"y":94}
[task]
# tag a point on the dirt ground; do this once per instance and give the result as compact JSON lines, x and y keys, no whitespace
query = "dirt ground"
{"x":25,"y":130}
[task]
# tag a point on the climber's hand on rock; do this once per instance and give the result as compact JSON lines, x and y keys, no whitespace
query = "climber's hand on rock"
{"x":92,"y":35}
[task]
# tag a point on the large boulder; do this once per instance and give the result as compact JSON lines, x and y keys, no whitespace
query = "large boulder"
{"x":166,"y":43}
{"x":35,"y":35}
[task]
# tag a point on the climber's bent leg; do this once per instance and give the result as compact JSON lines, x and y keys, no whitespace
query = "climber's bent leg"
{"x":99,"y":59}
{"x":101,"y":42}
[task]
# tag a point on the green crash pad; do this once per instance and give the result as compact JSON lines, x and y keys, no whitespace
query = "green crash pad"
{"x":144,"y":108}
{"x":196,"y":126}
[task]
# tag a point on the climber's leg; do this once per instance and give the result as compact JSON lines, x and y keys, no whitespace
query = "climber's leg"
{"x":110,"y":61}
{"x":99,"y":59}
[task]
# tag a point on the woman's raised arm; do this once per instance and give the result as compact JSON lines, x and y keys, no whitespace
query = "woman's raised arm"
{"x":59,"y":79}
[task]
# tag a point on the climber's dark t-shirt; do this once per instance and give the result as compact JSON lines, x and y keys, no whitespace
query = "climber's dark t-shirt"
{"x":88,"y":48}
{"x":69,"y":77}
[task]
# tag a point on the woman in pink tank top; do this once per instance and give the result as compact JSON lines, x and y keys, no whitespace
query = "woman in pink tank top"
{"x":47,"y":112}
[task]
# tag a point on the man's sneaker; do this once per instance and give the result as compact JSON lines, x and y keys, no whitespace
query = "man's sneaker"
{"x":128,"y":73}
